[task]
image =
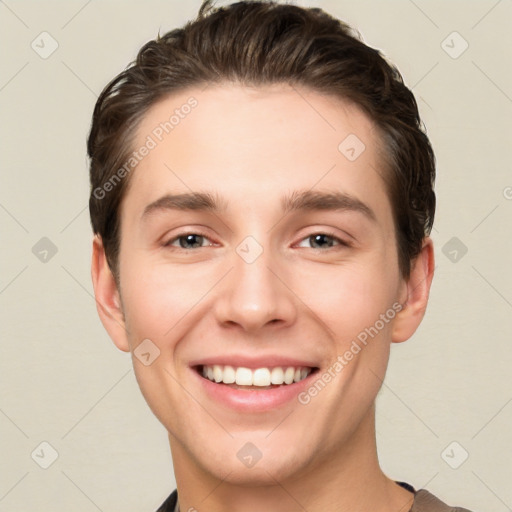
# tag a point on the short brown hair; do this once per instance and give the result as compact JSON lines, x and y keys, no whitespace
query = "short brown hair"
{"x":258,"y":43}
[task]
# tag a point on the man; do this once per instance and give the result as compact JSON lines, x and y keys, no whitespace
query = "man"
{"x":261,"y":198}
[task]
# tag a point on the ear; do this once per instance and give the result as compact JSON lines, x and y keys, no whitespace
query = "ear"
{"x":108,"y":301}
{"x":414,"y":294}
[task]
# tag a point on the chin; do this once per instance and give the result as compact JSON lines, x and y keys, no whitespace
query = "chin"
{"x":272,"y":467}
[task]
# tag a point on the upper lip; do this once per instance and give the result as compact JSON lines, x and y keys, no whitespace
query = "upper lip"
{"x":252,"y":362}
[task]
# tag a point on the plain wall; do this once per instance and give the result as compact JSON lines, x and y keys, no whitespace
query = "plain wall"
{"x":63,"y":380}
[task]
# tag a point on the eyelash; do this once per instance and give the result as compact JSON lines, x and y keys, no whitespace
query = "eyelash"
{"x":338,"y":240}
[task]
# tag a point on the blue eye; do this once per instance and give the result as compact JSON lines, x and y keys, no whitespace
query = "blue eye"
{"x":324,"y":240}
{"x":188,"y":241}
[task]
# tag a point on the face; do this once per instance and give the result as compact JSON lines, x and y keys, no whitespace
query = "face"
{"x":263,"y":275}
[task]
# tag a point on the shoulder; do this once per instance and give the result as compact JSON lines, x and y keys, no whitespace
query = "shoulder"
{"x":170,"y":503}
{"x":427,"y":502}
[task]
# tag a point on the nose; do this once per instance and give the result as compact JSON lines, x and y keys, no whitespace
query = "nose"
{"x":256,"y":294}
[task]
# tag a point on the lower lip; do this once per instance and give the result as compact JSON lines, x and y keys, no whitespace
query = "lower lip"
{"x":253,"y":400}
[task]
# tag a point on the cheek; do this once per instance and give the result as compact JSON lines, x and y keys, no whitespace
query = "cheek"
{"x":348,"y":298}
{"x":159,"y":299}
{"x":160,"y":304}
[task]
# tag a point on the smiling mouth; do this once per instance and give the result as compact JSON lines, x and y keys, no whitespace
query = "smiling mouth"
{"x":254,"y":379}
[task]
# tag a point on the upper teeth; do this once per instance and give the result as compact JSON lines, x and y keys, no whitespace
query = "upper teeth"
{"x":259,"y":377}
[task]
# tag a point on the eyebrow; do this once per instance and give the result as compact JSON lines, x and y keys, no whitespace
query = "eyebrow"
{"x":306,"y":200}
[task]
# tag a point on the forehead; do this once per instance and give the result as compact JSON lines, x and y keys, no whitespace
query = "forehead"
{"x":249,"y":144}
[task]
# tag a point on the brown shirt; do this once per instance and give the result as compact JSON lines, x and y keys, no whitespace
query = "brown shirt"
{"x":426,"y":502}
{"x":423,"y":502}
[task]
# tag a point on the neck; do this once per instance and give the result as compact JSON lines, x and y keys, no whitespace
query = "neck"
{"x":348,"y":479}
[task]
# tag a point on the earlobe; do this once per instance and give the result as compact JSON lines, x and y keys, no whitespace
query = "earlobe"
{"x":415,"y":294}
{"x":108,"y":302}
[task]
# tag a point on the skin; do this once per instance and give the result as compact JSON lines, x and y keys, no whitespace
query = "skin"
{"x":251,"y":146}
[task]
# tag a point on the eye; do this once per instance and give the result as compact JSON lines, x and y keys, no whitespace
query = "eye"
{"x":188,"y":241}
{"x":323,"y":240}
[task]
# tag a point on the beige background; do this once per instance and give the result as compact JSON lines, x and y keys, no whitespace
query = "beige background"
{"x":64,"y":382}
